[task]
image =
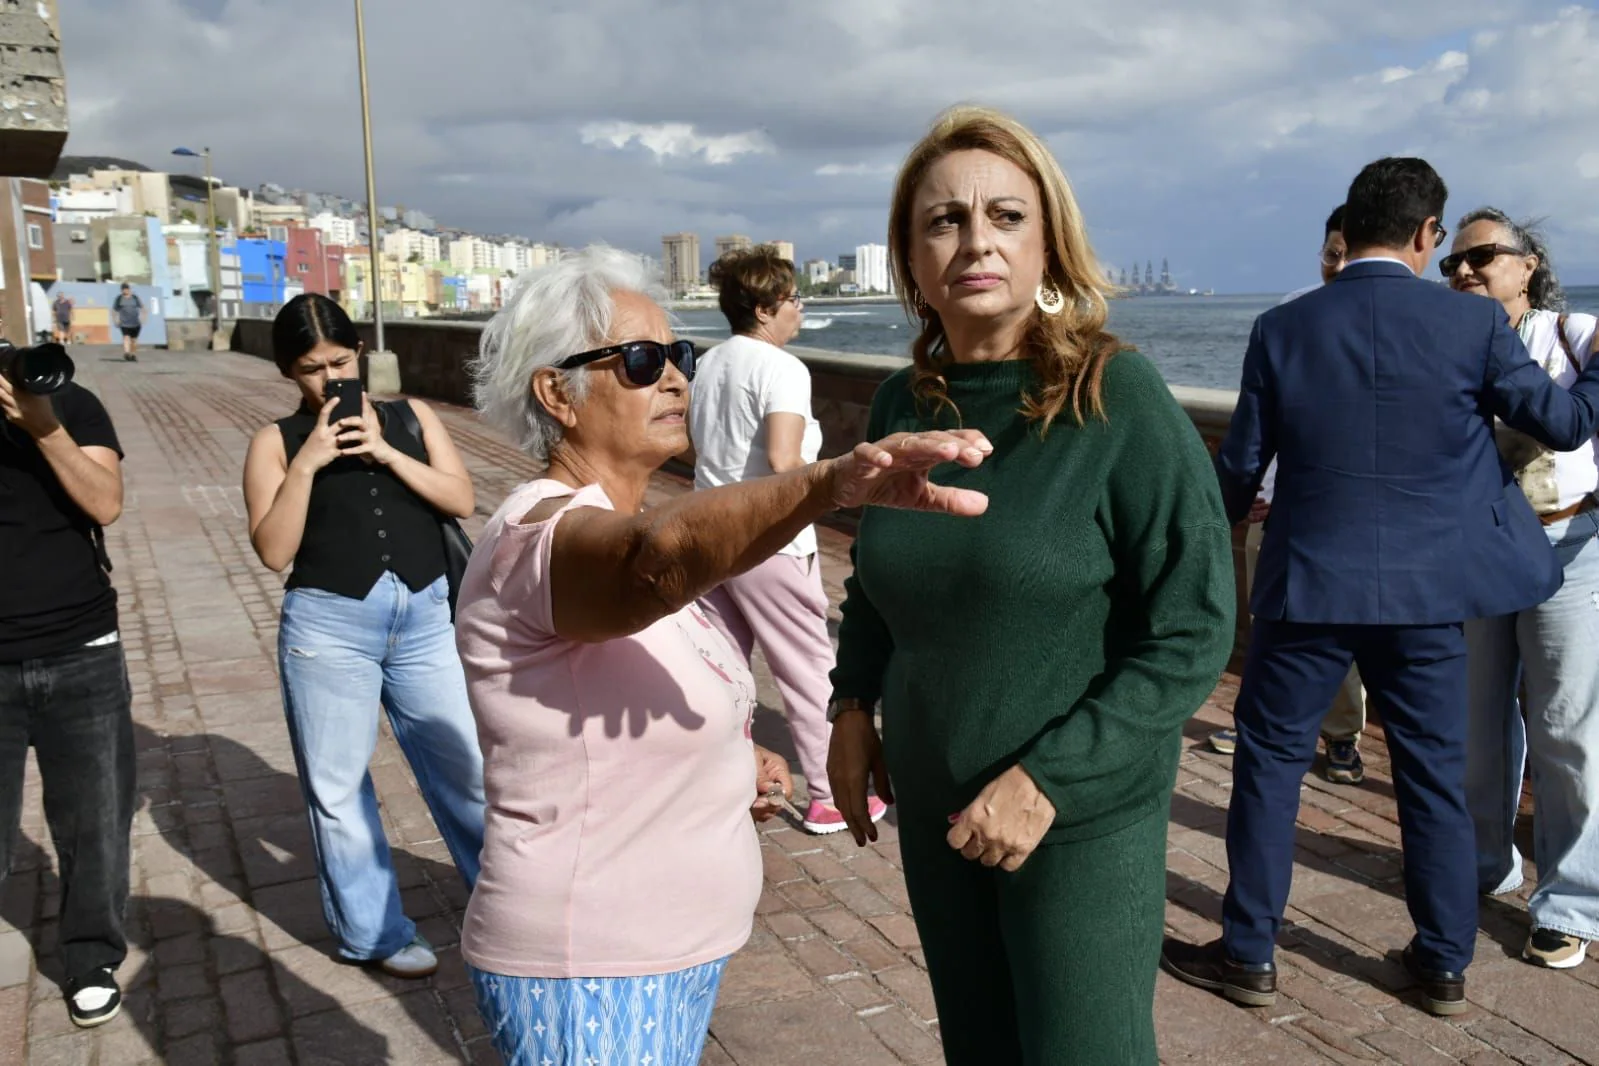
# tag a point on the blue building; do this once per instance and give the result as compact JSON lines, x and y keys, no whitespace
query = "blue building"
{"x":262,"y":273}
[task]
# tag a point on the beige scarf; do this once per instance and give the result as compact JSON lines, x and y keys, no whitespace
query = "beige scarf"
{"x":1532,"y":463}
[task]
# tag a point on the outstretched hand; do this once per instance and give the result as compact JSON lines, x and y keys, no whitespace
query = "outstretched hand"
{"x":893,"y":472}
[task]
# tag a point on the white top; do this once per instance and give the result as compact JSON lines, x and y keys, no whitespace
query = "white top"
{"x":1553,"y":481}
{"x":737,"y":384}
{"x":1379,"y":259}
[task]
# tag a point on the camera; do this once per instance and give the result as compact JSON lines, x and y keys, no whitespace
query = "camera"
{"x":41,"y":369}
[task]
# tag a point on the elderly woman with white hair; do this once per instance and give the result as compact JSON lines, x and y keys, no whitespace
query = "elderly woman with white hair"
{"x":620,"y":864}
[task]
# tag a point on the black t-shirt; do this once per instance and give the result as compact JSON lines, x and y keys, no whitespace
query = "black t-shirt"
{"x":54,"y":594}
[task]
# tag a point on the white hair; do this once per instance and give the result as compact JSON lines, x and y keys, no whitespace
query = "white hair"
{"x":557,"y":311}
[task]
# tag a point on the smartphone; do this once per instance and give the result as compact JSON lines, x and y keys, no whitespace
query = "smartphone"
{"x":345,"y":396}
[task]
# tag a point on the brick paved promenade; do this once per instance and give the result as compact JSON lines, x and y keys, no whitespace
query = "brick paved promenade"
{"x":230,"y":961}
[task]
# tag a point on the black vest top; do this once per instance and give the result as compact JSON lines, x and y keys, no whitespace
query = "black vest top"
{"x":362,"y":520}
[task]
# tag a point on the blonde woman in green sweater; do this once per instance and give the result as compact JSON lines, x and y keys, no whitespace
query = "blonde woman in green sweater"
{"x":1034,"y":666}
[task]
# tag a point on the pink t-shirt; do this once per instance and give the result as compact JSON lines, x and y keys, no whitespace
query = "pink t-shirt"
{"x":619,"y":776}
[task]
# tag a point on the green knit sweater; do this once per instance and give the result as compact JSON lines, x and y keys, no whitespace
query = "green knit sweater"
{"x":1074,"y":627}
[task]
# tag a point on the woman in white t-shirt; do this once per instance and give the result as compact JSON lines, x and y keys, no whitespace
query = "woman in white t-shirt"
{"x":750,"y":416}
{"x":1552,"y":647}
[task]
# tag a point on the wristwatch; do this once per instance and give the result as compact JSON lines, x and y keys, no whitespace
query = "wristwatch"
{"x":848,"y":703}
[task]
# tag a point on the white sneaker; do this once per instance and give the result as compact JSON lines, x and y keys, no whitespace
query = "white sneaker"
{"x":416,"y":959}
{"x":94,"y":999}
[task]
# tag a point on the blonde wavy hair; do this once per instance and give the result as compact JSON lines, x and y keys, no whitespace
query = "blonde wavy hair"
{"x":1068,"y":350}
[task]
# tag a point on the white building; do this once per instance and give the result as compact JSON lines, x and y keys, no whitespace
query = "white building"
{"x":542,"y":255}
{"x":818,"y":271}
{"x":474,"y":253}
{"x":513,"y":257}
{"x":335,"y":228}
{"x":481,"y":291}
{"x":188,"y":268}
{"x":402,"y":244}
{"x":79,"y":207}
{"x":871,"y":268}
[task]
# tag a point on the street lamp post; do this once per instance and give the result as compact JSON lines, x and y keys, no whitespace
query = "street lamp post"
{"x":214,"y":252}
{"x":375,"y":281}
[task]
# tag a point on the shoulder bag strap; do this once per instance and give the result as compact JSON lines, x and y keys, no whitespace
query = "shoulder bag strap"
{"x":403,"y":411}
{"x":1565,"y":341}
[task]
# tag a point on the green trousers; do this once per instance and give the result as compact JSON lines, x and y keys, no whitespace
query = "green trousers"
{"x":1053,"y":965}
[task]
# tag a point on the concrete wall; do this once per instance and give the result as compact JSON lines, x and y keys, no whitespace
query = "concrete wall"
{"x":433,"y":357}
{"x":191,"y":334}
{"x":33,"y":89}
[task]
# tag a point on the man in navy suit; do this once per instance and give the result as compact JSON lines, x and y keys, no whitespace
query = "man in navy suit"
{"x":1394,"y":521}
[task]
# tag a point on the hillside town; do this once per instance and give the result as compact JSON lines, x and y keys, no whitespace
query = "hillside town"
{"x":97,"y":224}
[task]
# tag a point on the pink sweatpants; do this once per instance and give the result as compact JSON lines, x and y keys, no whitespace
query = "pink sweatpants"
{"x":782,"y":606}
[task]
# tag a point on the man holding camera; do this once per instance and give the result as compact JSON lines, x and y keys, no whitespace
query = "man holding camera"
{"x":64,"y":687}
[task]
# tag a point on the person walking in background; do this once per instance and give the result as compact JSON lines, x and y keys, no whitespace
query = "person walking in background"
{"x":1394,"y":521}
{"x":128,"y":310}
{"x":1346,"y":719}
{"x":751,"y":417}
{"x":1552,"y":648}
{"x":621,"y":866}
{"x":354,"y":507}
{"x":1033,"y":687}
{"x":61,"y":314}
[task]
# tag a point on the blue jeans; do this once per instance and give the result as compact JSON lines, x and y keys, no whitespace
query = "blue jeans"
{"x":339,"y":658}
{"x":1555,"y":648}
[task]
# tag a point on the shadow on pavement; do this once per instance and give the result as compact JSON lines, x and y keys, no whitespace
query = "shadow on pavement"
{"x":271,"y":868}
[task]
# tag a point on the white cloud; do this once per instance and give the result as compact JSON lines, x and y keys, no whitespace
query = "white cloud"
{"x":839,"y":170}
{"x":668,"y":139}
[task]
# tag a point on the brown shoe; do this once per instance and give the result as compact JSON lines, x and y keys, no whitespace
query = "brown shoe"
{"x":1208,"y":966}
{"x":1443,"y":992}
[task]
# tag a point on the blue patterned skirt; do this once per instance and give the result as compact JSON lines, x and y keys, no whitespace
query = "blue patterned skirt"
{"x":659,"y":1020}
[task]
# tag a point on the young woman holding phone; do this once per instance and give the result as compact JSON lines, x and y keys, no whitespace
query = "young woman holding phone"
{"x":354,"y":505}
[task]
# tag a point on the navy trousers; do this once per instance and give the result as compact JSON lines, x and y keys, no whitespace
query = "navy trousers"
{"x":1416,"y":678}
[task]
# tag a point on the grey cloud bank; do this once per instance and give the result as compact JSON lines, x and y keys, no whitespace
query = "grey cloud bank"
{"x":1218,"y":137}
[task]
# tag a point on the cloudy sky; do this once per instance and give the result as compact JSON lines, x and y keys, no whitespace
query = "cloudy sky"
{"x":1217,"y":133}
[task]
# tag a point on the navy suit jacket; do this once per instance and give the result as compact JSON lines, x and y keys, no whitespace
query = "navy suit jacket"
{"x":1376,"y":394}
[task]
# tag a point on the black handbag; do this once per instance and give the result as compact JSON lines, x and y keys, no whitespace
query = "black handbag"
{"x":457,"y":545}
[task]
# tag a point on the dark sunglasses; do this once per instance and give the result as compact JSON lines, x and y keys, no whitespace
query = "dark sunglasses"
{"x":642,"y":361}
{"x":1475,"y":257}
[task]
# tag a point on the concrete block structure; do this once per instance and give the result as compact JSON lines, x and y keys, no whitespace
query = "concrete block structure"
{"x":33,"y":89}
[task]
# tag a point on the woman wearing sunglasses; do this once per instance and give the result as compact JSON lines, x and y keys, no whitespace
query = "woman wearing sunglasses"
{"x":620,"y":863}
{"x":751,"y":417}
{"x":1550,"y":647}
